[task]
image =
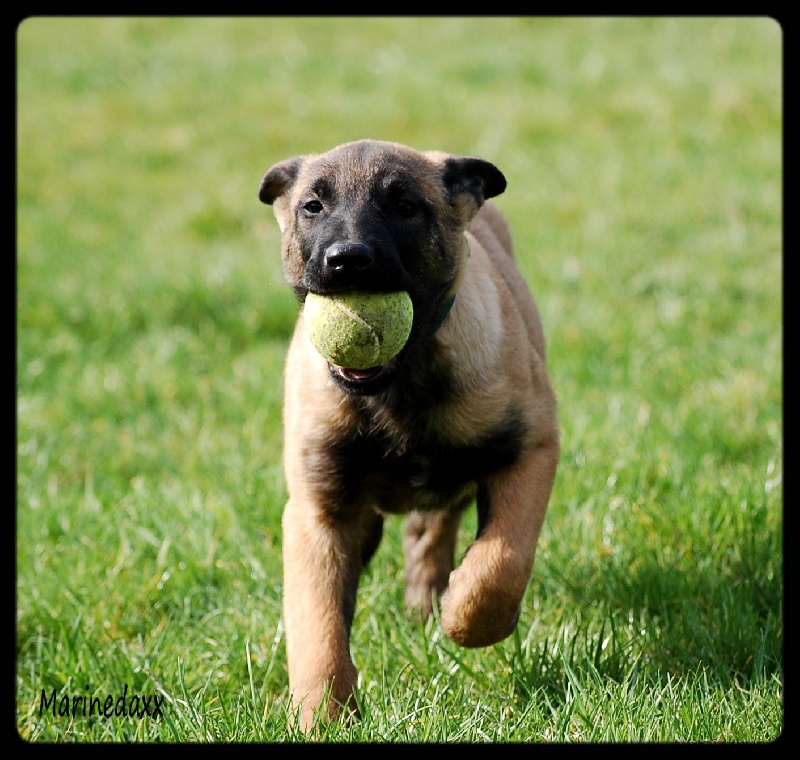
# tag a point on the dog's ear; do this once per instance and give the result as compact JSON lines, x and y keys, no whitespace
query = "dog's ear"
{"x":276,"y":184}
{"x":469,"y":182}
{"x":279,"y":179}
{"x":463,"y":174}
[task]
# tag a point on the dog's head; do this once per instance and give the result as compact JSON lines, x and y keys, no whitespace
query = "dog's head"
{"x":378,"y":216}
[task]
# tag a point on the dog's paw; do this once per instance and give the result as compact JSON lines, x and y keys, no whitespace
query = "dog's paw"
{"x":470,"y":626}
{"x":424,"y":586}
{"x":481,"y":605}
{"x":327,"y":699}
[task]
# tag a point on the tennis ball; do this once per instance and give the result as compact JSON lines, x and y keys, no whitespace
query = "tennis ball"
{"x":358,"y":330}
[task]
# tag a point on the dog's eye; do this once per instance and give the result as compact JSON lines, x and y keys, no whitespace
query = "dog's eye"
{"x":405,"y":207}
{"x":312,"y":207}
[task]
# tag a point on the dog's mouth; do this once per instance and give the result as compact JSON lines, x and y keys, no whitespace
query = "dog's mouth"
{"x":364,"y":382}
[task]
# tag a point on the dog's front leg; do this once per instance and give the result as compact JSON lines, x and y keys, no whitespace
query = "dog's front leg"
{"x":322,"y":563}
{"x":481,"y":604}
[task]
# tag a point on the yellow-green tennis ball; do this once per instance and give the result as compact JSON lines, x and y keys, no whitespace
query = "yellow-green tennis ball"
{"x":358,"y":330}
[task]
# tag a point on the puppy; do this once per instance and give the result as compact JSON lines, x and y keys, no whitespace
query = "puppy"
{"x":464,"y":414}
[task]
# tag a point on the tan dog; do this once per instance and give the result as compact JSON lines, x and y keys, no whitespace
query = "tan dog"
{"x":465,"y":413}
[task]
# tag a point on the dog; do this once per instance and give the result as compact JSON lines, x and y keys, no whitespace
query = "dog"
{"x":464,"y":414}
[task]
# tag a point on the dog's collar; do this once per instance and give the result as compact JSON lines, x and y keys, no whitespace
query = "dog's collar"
{"x":444,"y":309}
{"x":441,"y":315}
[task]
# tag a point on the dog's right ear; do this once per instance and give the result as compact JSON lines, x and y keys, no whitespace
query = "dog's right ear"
{"x":276,"y":184}
{"x":279,"y":179}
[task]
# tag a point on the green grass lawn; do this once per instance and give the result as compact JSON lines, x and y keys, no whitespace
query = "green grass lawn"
{"x":644,"y":162}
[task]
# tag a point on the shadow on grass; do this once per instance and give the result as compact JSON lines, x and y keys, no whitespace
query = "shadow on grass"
{"x":660,"y":622}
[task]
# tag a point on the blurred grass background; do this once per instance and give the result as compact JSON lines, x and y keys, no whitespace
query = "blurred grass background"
{"x":644,"y":160}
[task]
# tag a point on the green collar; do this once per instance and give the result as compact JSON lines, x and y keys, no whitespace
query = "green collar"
{"x":441,"y":315}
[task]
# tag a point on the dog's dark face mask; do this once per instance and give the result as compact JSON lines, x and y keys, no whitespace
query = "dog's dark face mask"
{"x":379,"y":217}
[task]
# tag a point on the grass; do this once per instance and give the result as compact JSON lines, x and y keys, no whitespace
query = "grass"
{"x":644,"y":159}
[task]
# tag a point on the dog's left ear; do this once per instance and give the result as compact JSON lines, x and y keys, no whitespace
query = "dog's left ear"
{"x":470,"y":181}
{"x":482,"y":179}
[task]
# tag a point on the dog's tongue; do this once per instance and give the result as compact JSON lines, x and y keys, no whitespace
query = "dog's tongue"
{"x":359,"y":374}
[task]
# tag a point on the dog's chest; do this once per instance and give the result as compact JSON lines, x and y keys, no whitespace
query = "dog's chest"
{"x":417,"y":480}
{"x":424,"y":475}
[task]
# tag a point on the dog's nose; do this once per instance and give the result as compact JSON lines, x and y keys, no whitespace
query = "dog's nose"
{"x":345,"y":258}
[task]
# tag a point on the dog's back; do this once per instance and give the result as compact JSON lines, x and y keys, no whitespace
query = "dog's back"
{"x":490,"y":228}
